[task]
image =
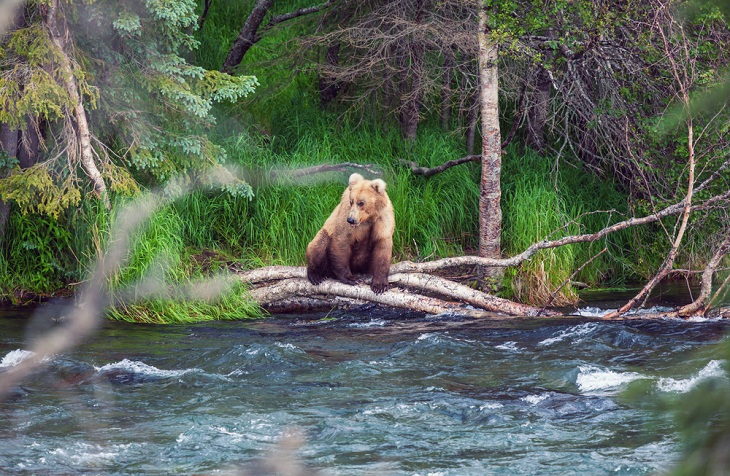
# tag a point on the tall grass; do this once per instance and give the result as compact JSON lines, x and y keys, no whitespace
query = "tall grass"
{"x":536,"y":212}
{"x":545,"y":199}
{"x":40,"y":255}
{"x":160,"y":251}
{"x":435,"y":217}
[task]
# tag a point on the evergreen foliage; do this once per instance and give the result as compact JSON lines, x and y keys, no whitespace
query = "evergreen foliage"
{"x":151,"y":107}
{"x":27,"y":87}
{"x":159,"y":103}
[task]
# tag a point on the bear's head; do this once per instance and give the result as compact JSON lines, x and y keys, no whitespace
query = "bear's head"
{"x":366,"y":199}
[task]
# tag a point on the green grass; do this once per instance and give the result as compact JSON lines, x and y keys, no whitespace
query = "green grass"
{"x":233,"y":304}
{"x":542,"y":201}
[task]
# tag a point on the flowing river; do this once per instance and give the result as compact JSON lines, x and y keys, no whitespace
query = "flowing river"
{"x":362,"y":393}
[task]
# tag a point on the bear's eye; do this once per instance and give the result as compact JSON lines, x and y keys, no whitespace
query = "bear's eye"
{"x":361,"y":203}
{"x":351,"y":202}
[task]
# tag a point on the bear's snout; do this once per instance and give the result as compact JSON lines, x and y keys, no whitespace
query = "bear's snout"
{"x":351,"y":221}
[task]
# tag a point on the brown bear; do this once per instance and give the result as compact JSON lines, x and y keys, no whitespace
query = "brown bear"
{"x":357,"y":237}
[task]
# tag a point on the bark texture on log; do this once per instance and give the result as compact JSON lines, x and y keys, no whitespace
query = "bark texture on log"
{"x":413,"y":291}
{"x":285,"y":289}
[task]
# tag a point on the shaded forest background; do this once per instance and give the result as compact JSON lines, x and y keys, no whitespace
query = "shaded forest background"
{"x":608,"y":110}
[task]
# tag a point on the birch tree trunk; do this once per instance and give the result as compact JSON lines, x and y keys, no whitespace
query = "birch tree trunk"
{"x":490,"y":211}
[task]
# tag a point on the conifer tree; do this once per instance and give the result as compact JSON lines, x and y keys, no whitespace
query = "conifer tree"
{"x":109,"y":93}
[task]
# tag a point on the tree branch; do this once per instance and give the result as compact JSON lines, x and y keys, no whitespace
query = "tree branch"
{"x":427,"y":172}
{"x":318,"y":169}
{"x":247,"y":37}
{"x":249,"y":32}
{"x":698,"y":305}
{"x":298,"y":13}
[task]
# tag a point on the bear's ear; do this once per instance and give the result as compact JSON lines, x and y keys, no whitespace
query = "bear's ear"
{"x":378,"y":185}
{"x":355,"y":178}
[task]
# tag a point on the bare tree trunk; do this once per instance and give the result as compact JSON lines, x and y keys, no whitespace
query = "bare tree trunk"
{"x":490,"y":211}
{"x":412,"y":94}
{"x":9,"y":137}
{"x":59,"y":33}
{"x":328,"y":86}
{"x":446,"y":89}
{"x":537,"y":111}
{"x":539,"y":102}
{"x":9,"y":141}
{"x":247,"y":36}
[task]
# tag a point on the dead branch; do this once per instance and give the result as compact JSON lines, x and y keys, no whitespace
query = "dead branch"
{"x":298,"y":13}
{"x":427,"y":172}
{"x":570,"y":280}
{"x":682,"y":68}
{"x":347,"y":167}
{"x":698,"y":305}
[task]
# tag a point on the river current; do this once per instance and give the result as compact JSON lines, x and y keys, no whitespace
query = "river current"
{"x":362,"y":393}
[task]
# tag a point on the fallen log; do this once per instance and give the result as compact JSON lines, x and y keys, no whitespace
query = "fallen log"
{"x":276,"y":287}
{"x":285,"y":289}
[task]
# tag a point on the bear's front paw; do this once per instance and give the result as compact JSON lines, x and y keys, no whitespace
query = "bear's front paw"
{"x":379,"y":287}
{"x":315,"y":279}
{"x":351,"y":281}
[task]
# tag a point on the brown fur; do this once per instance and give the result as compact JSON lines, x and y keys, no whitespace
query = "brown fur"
{"x":356,"y":238}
